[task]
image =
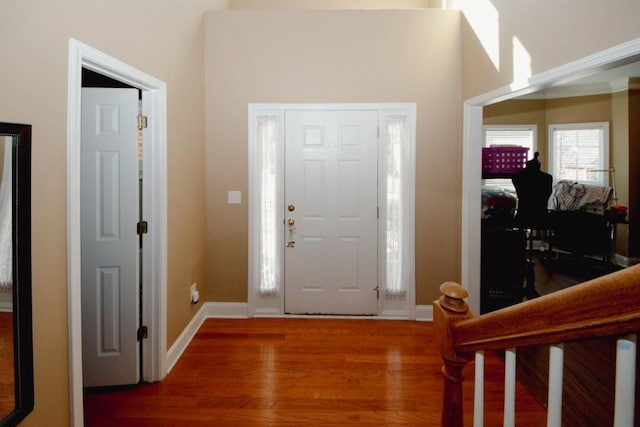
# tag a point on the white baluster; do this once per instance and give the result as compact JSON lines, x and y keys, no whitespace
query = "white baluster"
{"x":478,"y":391}
{"x":510,"y":387}
{"x":625,"y":381}
{"x":554,"y":411}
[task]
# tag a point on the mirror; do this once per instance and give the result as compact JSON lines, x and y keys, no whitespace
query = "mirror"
{"x":16,"y":344}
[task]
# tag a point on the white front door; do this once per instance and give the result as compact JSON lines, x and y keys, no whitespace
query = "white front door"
{"x":110,"y":245}
{"x":331,"y":193}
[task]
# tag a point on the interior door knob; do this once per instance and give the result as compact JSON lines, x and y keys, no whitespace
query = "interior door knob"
{"x":291,"y":222}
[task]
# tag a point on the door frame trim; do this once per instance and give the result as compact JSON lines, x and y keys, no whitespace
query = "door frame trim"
{"x":273,"y":305}
{"x":154,"y":262}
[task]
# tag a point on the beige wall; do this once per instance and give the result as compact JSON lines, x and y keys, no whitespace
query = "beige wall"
{"x":332,"y":57}
{"x":165,"y":39}
{"x":161,"y":38}
{"x":327,"y":4}
{"x":552,"y":33}
{"x":579,"y":109}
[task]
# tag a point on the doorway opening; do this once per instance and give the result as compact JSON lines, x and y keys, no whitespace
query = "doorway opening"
{"x":614,"y":57}
{"x":153,"y":313}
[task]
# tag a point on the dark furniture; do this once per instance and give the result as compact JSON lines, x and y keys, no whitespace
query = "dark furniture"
{"x":503,"y":267}
{"x":581,"y":234}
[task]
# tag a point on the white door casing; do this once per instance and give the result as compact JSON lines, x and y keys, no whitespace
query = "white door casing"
{"x":331,"y":183}
{"x":109,"y":213}
{"x":264,"y":301}
{"x":154,"y":265}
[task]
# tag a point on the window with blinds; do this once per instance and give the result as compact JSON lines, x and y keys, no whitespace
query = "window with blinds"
{"x":580,"y":152}
{"x":522,"y":135}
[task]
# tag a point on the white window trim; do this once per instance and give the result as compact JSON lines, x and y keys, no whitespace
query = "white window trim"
{"x":604,"y":149}
{"x":389,"y":306}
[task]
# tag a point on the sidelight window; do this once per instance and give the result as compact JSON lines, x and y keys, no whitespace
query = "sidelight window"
{"x":396,"y":218}
{"x":269,"y":258}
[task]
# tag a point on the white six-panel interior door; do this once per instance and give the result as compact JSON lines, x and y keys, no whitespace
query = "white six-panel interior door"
{"x":331,"y":212}
{"x":109,"y":214}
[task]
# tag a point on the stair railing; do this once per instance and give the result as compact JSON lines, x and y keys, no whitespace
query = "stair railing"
{"x":605,"y":306}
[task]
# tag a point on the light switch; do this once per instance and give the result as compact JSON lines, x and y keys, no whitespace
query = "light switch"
{"x":234,"y":197}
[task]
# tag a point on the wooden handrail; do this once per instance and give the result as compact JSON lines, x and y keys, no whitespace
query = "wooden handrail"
{"x":605,"y":306}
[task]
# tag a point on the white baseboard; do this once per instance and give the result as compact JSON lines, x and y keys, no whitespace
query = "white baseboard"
{"x":181,"y":344}
{"x":267,"y":312}
{"x":424,"y":313}
{"x":626,"y":261}
{"x":394,"y":315}
{"x":6,"y":300}
{"x":238,"y":310}
{"x":232,"y":310}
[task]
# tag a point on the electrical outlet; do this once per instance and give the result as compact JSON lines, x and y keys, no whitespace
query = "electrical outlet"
{"x":194,"y":295}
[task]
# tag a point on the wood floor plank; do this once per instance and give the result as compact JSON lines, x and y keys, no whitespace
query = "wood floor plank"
{"x":303,"y":372}
{"x":7,"y":373}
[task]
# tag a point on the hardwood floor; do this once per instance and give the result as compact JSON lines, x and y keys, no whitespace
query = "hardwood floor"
{"x":311,"y":372}
{"x":7,"y":374}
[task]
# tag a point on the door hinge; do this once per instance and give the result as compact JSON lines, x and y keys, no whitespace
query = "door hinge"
{"x":142,"y":333}
{"x":377,"y":289}
{"x":142,"y":122}
{"x":142,"y":227}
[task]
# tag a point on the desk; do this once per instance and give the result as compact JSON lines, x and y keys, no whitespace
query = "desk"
{"x":583,"y":233}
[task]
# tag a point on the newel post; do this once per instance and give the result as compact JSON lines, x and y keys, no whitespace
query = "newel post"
{"x":449,"y":309}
